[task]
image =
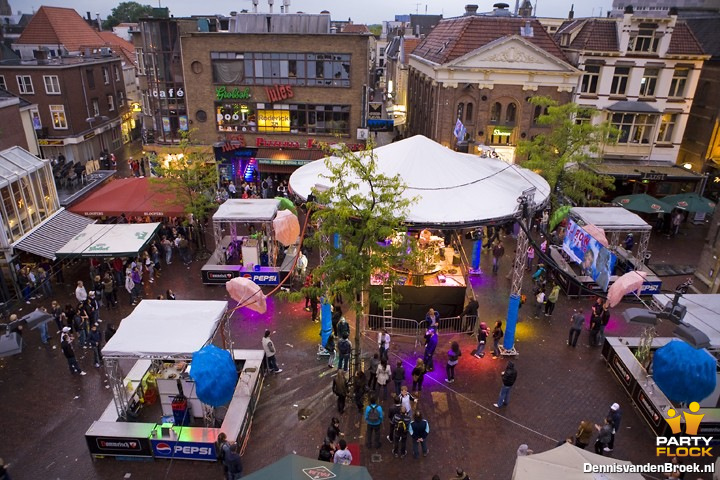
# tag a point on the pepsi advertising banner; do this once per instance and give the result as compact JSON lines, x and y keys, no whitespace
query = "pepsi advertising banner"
{"x":184,"y":450}
{"x":595,"y":260}
{"x":263,"y":277}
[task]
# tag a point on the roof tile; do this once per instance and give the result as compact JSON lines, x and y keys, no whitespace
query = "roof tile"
{"x":684,"y":42}
{"x":60,"y":26}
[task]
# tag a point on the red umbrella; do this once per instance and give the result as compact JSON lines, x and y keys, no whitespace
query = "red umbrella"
{"x":247,"y":293}
{"x":627,"y":283}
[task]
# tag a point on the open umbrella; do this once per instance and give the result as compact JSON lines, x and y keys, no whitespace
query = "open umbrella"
{"x":215,"y":375}
{"x":642,"y":202}
{"x":683,"y":373}
{"x":627,"y":283}
{"x":286,"y":204}
{"x":247,"y":293}
{"x":692,"y":202}
{"x":597,"y":233}
{"x":286,"y":227}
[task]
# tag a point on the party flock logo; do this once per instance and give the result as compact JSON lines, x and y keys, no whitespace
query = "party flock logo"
{"x":689,"y":445}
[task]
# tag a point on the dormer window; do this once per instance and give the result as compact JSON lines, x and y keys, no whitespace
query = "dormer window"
{"x":644,"y":40}
{"x":564,"y":39}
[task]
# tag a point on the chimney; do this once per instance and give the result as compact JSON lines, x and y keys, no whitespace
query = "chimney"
{"x":89,"y":17}
{"x":270,"y":3}
{"x":571,"y":13}
{"x":99,"y":22}
{"x":470,"y":10}
{"x":255,"y":5}
{"x":501,"y":10}
{"x":286,"y":4}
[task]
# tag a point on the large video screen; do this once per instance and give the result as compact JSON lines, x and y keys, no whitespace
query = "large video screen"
{"x":595,"y":260}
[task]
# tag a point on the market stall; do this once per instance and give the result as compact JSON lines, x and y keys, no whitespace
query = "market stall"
{"x":151,"y":355}
{"x":591,"y":255}
{"x":109,"y":240}
{"x":244,"y":243}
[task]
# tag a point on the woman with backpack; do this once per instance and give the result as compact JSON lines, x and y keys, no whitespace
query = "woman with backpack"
{"x":401,"y":420}
{"x":453,"y":358}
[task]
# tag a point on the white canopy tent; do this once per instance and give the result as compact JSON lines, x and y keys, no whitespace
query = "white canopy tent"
{"x":109,"y":240}
{"x":566,"y":463}
{"x":166,"y":329}
{"x":611,"y":219}
{"x":453,"y":189}
{"x":247,"y":210}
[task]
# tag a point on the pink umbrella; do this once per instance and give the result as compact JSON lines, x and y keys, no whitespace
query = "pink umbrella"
{"x":627,"y":283}
{"x":287,"y":227}
{"x":247,"y":293}
{"x":597,"y":233}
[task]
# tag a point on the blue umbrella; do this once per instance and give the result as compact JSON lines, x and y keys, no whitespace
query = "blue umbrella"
{"x":215,"y":375}
{"x":683,"y":373}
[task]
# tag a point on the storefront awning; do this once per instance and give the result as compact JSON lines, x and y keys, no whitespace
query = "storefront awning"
{"x":109,"y":240}
{"x":630,"y":170}
{"x":285,"y":161}
{"x":48,"y":237}
{"x":132,"y":196}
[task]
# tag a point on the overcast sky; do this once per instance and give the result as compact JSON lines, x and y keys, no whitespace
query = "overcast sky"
{"x":361,"y":11}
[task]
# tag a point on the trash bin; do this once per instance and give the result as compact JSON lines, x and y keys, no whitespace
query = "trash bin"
{"x":180,"y":407}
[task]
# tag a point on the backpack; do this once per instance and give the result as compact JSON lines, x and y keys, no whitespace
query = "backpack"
{"x":344,"y":347}
{"x":401,"y":428}
{"x":373,"y":416}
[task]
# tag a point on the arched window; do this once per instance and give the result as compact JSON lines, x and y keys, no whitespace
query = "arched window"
{"x":460,"y":109}
{"x":510,"y":113}
{"x":495,"y":112}
{"x":469,"y":113}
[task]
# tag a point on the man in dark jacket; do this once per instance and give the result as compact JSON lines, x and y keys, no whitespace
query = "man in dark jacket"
{"x":233,"y":462}
{"x":431,"y":341}
{"x":614,"y":415}
{"x":69,"y":352}
{"x":508,"y":379}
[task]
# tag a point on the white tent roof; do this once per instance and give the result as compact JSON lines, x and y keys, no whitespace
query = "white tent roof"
{"x":566,"y":463}
{"x":703,"y":313}
{"x":611,"y":218}
{"x":109,"y":240}
{"x":247,"y":210}
{"x":166,"y":328}
{"x":452,"y":188}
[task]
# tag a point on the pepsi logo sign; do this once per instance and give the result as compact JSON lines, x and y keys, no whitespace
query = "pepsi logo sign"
{"x":163,"y":448}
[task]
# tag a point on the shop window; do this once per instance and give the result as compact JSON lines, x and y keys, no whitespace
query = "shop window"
{"x":283,"y":118}
{"x":510,"y":113}
{"x":649,"y":82}
{"x":495,"y":112}
{"x":678,"y":82}
{"x":469,"y":113}
{"x":273,"y":121}
{"x":667,"y":127}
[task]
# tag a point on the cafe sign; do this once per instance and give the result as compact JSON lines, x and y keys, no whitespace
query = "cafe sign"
{"x":169,"y":93}
{"x":224,"y":93}
{"x":501,"y":132}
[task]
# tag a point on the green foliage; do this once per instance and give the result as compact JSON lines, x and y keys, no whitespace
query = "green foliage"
{"x":376,"y":30}
{"x":191,"y":177}
{"x":364,"y":207}
{"x":566,"y":150}
{"x":127,"y":12}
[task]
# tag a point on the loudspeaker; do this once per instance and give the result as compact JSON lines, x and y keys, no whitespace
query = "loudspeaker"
{"x":692,"y":336}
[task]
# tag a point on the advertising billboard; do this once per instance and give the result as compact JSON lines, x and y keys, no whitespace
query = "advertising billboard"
{"x":595,"y":260}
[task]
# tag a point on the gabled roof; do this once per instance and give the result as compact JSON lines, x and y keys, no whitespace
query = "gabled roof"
{"x":455,"y":37}
{"x":60,"y":26}
{"x":707,"y":33}
{"x":595,"y":34}
{"x":355,"y":28}
{"x":683,"y":41}
{"x":120,"y":46}
{"x":409,"y":45}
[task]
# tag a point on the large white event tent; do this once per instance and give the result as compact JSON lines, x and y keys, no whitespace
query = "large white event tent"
{"x":452,"y":189}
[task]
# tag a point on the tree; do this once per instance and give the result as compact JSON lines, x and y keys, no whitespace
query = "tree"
{"x":191,"y":177}
{"x":375,"y":29}
{"x":365,"y":209}
{"x":129,"y":12}
{"x":565,"y":154}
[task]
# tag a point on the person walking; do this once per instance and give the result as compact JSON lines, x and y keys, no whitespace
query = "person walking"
{"x":343,"y":328}
{"x":615,"y":416}
{"x":453,"y":358}
{"x":469,"y":316}
{"x":359,"y":389}
{"x":372,"y":371}
{"x":497,"y":335}
{"x":530,"y":257}
{"x":583,"y":435}
{"x":69,"y":352}
{"x":383,"y":344}
{"x":270,"y":353}
{"x":398,"y":376}
{"x":340,"y":389}
{"x":509,"y":376}
{"x":418,"y":375}
{"x":95,"y":344}
{"x":552,"y":299}
{"x":497,"y":252}
{"x":330,"y":348}
{"x":342,"y":454}
{"x":539,"y":301}
{"x":432,"y":318}
{"x":604,"y":320}
{"x":576,"y":323}
{"x":384,"y":373}
{"x":482,"y":340}
{"x":401,"y":421}
{"x":431,"y":341}
{"x":604,"y":437}
{"x":419,"y":429}
{"x":373,"y":419}
{"x":333,"y":432}
{"x":406,"y":400}
{"x":80,"y":292}
{"x":222,"y":448}
{"x":344,"y":350}
{"x":595,"y":319}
